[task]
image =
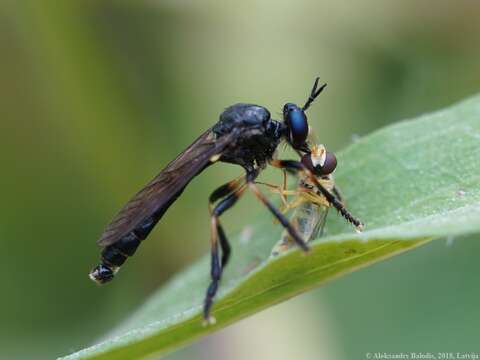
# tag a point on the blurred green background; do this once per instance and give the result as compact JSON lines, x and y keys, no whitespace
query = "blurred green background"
{"x":97,"y":96}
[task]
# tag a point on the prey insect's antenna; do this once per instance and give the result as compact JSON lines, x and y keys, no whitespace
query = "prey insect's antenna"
{"x":313,"y":94}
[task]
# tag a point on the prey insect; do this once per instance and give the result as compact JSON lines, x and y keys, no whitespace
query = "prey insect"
{"x":310,"y":207}
{"x":245,"y":135}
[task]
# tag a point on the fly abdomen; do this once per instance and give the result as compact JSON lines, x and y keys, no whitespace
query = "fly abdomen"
{"x":113,"y":256}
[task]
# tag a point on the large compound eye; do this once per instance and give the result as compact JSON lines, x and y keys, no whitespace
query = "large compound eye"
{"x":288,"y":107}
{"x":328,"y":166}
{"x":307,"y":162}
{"x":297,"y":122}
{"x":330,"y":163}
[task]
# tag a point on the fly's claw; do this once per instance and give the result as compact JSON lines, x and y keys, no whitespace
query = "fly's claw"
{"x":359,"y":228}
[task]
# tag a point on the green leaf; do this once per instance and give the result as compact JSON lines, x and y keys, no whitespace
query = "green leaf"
{"x":410,"y":183}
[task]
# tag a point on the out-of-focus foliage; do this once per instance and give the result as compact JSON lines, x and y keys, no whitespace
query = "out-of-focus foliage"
{"x":96,"y":97}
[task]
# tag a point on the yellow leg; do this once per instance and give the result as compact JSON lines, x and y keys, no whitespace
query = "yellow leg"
{"x":281,"y":191}
{"x":313,"y":197}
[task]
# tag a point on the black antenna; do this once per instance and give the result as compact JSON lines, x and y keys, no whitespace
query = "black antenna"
{"x":314,"y":93}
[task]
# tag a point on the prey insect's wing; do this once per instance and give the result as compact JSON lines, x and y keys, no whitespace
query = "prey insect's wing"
{"x":155,"y":198}
{"x":308,"y":217}
{"x":321,"y":219}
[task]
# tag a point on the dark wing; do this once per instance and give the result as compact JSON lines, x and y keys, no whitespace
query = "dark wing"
{"x":163,"y":190}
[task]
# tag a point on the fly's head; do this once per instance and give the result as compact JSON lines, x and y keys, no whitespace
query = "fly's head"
{"x":296,"y":122}
{"x":320,"y":161}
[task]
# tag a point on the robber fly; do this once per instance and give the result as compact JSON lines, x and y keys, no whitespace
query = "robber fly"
{"x":310,"y":206}
{"x":245,"y":135}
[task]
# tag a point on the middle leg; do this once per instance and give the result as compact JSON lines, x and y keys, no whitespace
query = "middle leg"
{"x":221,"y":193}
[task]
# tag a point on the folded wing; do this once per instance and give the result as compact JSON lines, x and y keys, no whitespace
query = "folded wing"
{"x":155,"y":198}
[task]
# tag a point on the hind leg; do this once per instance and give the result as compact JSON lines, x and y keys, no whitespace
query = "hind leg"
{"x":229,"y":195}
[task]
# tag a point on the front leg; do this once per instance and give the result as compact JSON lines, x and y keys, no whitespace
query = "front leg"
{"x":297,"y":167}
{"x":280,"y":217}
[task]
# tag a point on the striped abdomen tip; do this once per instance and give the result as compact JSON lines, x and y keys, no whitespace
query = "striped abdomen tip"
{"x":102,"y":274}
